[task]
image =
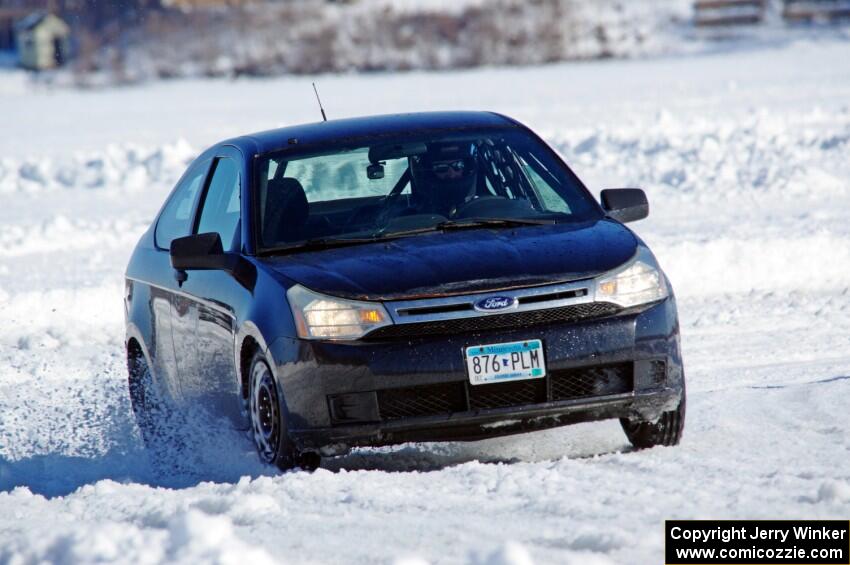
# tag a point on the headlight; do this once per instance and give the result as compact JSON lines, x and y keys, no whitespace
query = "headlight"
{"x":318,"y":316}
{"x":639,"y":282}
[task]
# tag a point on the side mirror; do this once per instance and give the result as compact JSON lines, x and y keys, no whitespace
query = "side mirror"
{"x":203,"y":252}
{"x":625,"y":204}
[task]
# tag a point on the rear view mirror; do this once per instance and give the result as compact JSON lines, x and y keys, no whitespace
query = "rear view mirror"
{"x":625,"y":204}
{"x":375,"y":171}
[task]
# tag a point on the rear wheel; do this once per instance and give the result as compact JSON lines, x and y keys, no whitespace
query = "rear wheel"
{"x":269,"y":422}
{"x":667,"y":430}
{"x":158,"y":423}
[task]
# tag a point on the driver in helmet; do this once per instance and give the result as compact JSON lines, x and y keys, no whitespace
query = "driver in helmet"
{"x":446,"y":176}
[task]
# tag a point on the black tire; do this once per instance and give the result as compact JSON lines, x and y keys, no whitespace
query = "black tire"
{"x":158,"y":423}
{"x":269,"y":422}
{"x":666,"y":431}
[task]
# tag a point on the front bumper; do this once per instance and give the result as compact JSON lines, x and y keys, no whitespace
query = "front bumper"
{"x":337,"y":394}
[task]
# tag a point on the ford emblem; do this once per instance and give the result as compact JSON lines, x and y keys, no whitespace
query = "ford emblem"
{"x":495,"y":303}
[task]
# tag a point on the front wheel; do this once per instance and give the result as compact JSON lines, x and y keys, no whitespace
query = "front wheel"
{"x":268,"y":421}
{"x":667,"y":430}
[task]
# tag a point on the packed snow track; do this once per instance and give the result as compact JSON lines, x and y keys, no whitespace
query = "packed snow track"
{"x":744,"y":157}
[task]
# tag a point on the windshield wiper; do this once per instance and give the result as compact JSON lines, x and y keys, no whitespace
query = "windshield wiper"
{"x":448,"y":225}
{"x":505,"y":222}
{"x":451,"y":225}
{"x":320,"y":243}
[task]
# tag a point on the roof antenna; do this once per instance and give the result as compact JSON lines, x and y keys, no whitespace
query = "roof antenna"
{"x":324,"y":117}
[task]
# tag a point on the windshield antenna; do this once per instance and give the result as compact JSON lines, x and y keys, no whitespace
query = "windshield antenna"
{"x":319,"y":100}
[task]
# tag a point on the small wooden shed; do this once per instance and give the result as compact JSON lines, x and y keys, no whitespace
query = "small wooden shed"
{"x":43,"y":41}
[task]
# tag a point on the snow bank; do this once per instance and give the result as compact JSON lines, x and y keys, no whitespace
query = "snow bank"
{"x":61,"y":232}
{"x":120,"y":167}
{"x":691,"y":160}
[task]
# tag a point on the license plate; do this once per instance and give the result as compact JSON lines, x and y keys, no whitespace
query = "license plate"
{"x":501,"y":362}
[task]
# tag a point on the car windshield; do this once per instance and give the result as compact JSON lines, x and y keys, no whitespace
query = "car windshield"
{"x":432,"y":181}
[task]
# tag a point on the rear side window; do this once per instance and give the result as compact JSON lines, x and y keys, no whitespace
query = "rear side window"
{"x":176,"y":218}
{"x":220,"y":212}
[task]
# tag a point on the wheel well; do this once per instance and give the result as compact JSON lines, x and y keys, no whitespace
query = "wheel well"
{"x":134,"y":358}
{"x":246,"y":354}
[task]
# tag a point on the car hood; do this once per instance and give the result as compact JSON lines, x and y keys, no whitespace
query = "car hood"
{"x":478,"y":260}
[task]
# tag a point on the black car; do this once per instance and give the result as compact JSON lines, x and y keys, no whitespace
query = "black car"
{"x":417,"y":277}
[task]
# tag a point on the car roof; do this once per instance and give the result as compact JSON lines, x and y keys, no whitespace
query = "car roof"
{"x":389,"y":124}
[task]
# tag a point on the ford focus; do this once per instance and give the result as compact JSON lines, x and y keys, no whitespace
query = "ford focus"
{"x":380,"y":280}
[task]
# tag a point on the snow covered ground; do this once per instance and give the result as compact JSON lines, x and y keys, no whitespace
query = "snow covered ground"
{"x":745,"y":156}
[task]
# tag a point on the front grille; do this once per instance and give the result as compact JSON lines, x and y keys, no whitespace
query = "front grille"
{"x":591,"y":381}
{"x":498,"y":395}
{"x":572,"y":313}
{"x":459,"y":396}
{"x":427,"y":400}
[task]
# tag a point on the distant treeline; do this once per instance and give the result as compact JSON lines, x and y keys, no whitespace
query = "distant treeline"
{"x":135,"y":40}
